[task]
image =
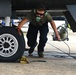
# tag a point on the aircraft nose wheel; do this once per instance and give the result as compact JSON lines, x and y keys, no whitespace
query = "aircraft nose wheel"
{"x":11,"y":44}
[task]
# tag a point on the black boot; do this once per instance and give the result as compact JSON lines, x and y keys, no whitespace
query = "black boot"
{"x":32,"y":49}
{"x":40,"y":54}
{"x":40,"y":51}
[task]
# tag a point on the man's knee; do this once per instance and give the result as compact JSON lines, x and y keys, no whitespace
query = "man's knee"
{"x":43,"y":39}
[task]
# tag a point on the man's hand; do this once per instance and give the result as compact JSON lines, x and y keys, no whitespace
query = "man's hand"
{"x":58,"y":38}
{"x":19,"y":30}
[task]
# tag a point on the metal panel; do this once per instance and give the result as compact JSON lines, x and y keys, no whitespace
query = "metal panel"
{"x":70,"y":20}
{"x":72,"y":10}
{"x":5,"y":8}
{"x":49,"y":4}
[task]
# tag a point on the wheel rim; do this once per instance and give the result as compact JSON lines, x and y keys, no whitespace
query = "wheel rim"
{"x":8,"y":45}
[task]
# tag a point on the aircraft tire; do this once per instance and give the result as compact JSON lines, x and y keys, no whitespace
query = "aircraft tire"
{"x":12,"y":44}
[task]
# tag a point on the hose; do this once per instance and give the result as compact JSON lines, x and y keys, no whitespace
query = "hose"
{"x":62,"y":50}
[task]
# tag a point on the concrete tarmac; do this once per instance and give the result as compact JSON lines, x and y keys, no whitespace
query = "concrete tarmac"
{"x":56,"y":60}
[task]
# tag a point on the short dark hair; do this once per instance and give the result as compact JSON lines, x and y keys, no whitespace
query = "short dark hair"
{"x":41,"y":7}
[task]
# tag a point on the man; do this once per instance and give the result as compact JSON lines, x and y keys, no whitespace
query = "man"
{"x":39,"y":19}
